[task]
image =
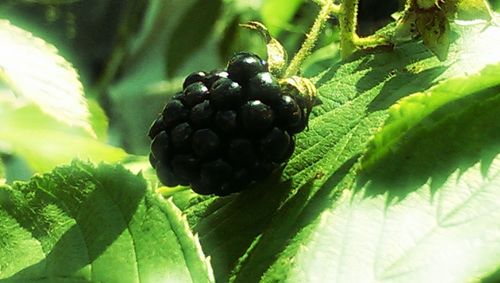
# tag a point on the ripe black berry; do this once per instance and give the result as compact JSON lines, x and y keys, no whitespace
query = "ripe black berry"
{"x":218,"y":172}
{"x":160,"y":146}
{"x":206,"y":143}
{"x":167,"y":176}
{"x":274,"y":146}
{"x":186,"y":167}
{"x":193,"y":94}
{"x":265,"y":88}
{"x":244,"y":66}
{"x":241,"y":152}
{"x":194,"y":78}
{"x":181,"y":135}
{"x":174,"y":113}
{"x":156,"y":127}
{"x":226,"y":129}
{"x":201,"y":114}
{"x":214,"y":76}
{"x":226,"y":94}
{"x":226,"y":122}
{"x":288,"y":112}
{"x":256,"y":117}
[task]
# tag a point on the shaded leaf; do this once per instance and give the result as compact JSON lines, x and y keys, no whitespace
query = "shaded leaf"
{"x":86,"y":224}
{"x":50,"y":2}
{"x":190,"y":33}
{"x":276,"y":14}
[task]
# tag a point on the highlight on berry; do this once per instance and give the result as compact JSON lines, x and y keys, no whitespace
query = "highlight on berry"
{"x":228,"y":128}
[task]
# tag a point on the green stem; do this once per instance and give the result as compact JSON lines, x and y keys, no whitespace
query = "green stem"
{"x":490,"y":13}
{"x":169,"y":191}
{"x":370,"y":41}
{"x":348,"y":19}
{"x":327,"y":8}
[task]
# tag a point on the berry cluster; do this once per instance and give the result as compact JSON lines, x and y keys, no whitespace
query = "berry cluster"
{"x":226,"y":129}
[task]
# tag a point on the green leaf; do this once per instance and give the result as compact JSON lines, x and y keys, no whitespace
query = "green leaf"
{"x":2,"y":172}
{"x":411,"y":110}
{"x":448,"y":236}
{"x":258,"y":232}
{"x":434,"y":28}
{"x":44,"y":142}
{"x":50,"y":2}
{"x":98,"y":120}
{"x":34,"y":71}
{"x":194,"y":28}
{"x":467,"y":9}
{"x":276,"y":14}
{"x":87,"y":224}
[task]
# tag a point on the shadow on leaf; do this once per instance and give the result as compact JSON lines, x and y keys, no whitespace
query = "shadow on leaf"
{"x":299,"y":211}
{"x":99,"y":203}
{"x":402,"y":85}
{"x":455,"y":137}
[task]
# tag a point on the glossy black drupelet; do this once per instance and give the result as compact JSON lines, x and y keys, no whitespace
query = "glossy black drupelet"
{"x":226,"y":129}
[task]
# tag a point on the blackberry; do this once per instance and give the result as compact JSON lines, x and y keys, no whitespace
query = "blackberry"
{"x":227,"y":129}
{"x":256,"y":117}
{"x":194,"y":78}
{"x":244,"y":66}
{"x":265,"y":88}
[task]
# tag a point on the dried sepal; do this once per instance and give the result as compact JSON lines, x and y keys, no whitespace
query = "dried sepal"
{"x":276,"y":53}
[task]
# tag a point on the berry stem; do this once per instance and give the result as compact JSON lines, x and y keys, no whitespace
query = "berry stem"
{"x":349,"y":39}
{"x":491,"y":14}
{"x":327,"y":8}
{"x":348,"y":18}
{"x":169,"y":191}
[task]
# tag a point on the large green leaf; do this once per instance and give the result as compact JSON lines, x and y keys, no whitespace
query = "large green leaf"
{"x":247,"y":234}
{"x":86,"y":224}
{"x":411,"y":110}
{"x":452,"y":235}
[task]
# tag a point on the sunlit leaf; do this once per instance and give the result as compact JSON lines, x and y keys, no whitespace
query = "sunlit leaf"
{"x":35,"y":72}
{"x":452,"y":235}
{"x":2,"y":173}
{"x":86,"y":224}
{"x":413,"y":109}
{"x":45,"y":142}
{"x":98,"y":120}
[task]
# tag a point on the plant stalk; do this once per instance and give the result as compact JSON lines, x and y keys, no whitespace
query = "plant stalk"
{"x":169,"y":191}
{"x":327,"y":8}
{"x":348,"y":19}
